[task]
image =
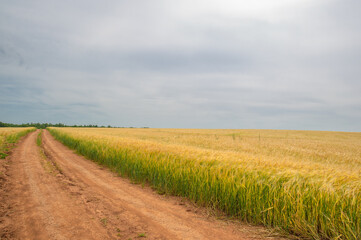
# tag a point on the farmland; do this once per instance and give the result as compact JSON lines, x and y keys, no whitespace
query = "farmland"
{"x":305,"y":182}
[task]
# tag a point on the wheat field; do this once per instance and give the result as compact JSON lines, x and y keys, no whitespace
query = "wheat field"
{"x":307,"y":183}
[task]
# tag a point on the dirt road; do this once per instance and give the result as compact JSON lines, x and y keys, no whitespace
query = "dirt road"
{"x":50,"y":192}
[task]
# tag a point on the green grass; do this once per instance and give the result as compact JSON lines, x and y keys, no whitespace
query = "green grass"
{"x":39,"y":138}
{"x":323,"y":203}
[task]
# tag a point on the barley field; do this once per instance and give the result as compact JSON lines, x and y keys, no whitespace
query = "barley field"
{"x":307,"y":183}
{"x":9,"y":136}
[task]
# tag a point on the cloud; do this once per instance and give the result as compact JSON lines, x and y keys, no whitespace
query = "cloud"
{"x":204,"y":64}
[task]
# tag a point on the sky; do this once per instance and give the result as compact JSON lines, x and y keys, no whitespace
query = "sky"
{"x":281,"y":64}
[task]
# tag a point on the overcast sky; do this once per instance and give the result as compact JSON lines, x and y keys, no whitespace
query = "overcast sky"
{"x":281,"y":64}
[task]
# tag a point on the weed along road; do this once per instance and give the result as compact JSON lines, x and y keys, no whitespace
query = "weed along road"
{"x":52,"y":193}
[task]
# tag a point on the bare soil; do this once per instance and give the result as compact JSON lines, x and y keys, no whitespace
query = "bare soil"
{"x":53,"y":193}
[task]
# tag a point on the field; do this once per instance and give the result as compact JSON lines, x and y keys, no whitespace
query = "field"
{"x":304,"y":182}
{"x":10,"y":136}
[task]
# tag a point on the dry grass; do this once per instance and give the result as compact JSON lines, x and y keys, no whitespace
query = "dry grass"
{"x":305,"y":182}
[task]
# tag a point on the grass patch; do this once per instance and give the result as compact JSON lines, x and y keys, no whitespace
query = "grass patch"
{"x":142,"y":235}
{"x":3,"y":155}
{"x":39,"y":138}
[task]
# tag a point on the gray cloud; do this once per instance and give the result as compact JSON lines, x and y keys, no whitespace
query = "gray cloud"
{"x":204,"y":64}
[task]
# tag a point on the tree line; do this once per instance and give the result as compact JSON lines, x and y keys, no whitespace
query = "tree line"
{"x":45,"y":125}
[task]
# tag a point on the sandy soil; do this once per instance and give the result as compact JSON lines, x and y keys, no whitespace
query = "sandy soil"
{"x":53,"y":193}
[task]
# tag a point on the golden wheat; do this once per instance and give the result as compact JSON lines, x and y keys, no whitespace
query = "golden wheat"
{"x":305,"y":182}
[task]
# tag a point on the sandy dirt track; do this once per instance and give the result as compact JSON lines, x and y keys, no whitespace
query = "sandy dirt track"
{"x":53,"y":193}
